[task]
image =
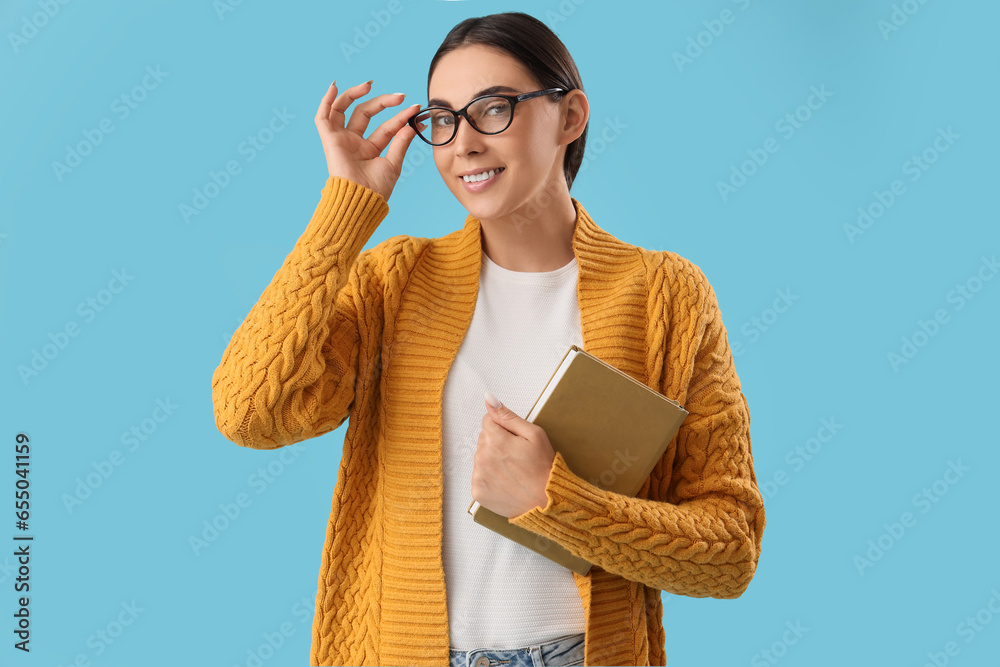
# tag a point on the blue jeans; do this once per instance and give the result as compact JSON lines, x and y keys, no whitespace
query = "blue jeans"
{"x":563,"y":651}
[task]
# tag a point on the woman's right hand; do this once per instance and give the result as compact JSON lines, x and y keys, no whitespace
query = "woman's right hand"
{"x":348,"y":153}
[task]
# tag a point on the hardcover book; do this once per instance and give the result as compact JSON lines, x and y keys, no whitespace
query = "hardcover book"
{"x":611,"y":430}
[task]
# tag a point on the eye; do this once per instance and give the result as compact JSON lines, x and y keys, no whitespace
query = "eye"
{"x":442,"y":119}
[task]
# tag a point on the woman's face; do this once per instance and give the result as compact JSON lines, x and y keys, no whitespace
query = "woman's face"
{"x":530,"y":151}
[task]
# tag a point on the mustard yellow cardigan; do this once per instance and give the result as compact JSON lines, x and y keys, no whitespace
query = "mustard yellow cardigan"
{"x":371,"y":335}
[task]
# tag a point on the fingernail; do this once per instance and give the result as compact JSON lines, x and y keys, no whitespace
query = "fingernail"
{"x":369,"y":81}
{"x":403,"y":94}
{"x":334,"y":83}
{"x":492,"y":400}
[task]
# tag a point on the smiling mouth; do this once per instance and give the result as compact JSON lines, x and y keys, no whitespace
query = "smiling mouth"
{"x":483,"y":176}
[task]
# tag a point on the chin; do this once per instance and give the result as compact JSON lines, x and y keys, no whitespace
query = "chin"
{"x":480,"y":211}
{"x":483,"y":208}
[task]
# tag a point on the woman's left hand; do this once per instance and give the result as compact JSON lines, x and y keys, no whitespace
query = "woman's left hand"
{"x":512,"y":463}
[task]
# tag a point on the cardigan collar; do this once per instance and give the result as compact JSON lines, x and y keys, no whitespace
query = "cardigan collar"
{"x":611,"y":278}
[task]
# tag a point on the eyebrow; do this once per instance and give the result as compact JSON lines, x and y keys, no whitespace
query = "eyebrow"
{"x":438,"y":102}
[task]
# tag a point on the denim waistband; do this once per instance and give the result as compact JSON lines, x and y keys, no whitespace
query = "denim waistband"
{"x":559,"y":652}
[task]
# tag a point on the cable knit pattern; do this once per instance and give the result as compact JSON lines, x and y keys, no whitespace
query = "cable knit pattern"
{"x":370,"y":335}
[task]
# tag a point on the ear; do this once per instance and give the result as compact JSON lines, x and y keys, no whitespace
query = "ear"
{"x":576,"y":113}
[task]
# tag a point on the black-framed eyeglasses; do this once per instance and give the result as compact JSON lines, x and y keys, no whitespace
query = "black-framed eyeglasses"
{"x":489,"y":114}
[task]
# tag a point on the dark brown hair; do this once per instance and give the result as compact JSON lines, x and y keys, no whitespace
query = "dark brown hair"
{"x":532,"y":43}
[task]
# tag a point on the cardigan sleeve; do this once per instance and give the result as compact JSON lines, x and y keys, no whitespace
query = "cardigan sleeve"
{"x":699,"y":533}
{"x":289,"y":371}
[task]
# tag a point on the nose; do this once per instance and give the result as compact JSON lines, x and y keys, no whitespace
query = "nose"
{"x":466,"y":140}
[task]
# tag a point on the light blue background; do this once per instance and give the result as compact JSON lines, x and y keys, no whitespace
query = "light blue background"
{"x":654,"y":184}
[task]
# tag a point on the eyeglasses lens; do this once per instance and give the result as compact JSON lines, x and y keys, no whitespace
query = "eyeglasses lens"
{"x":489,"y":115}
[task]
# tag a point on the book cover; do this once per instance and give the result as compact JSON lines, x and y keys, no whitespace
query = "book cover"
{"x":610,"y":428}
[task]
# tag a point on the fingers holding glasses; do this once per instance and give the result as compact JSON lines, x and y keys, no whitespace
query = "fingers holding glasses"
{"x":364,"y":112}
{"x":333,"y":107}
{"x":397,"y":127}
{"x":324,"y":112}
{"x":348,"y":153}
{"x":386,"y":131}
{"x":344,"y":100}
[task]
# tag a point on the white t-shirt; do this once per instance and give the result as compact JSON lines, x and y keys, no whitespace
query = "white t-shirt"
{"x":501,"y":594}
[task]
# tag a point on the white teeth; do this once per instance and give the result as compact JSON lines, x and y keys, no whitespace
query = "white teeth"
{"x":475,"y":178}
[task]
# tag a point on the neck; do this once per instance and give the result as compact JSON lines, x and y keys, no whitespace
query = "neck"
{"x":533,"y":238}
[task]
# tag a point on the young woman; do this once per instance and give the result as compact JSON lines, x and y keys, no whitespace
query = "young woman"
{"x":415,"y":340}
